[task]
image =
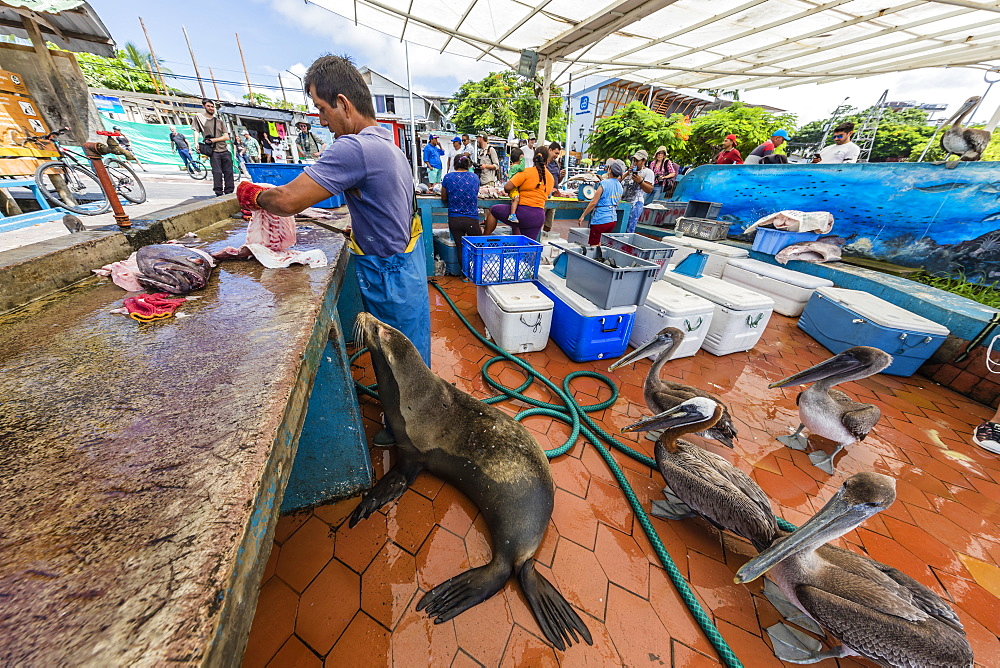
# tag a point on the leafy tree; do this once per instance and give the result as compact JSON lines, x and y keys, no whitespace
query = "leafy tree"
{"x":262,"y":100}
{"x":992,"y":151}
{"x":901,"y":134}
{"x":752,"y":125}
{"x":114,"y":73}
{"x":635,"y":127}
{"x":504,"y":99}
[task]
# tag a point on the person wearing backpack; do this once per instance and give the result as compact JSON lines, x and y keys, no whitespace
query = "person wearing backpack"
{"x":215,"y":144}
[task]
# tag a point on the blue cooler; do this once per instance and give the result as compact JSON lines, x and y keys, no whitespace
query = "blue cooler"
{"x":280,"y":173}
{"x":584,"y":331}
{"x":446,"y":249}
{"x":840,"y":319}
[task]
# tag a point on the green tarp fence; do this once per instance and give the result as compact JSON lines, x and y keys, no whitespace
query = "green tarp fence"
{"x":151,"y":141}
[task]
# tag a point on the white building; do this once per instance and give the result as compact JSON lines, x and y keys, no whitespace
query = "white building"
{"x":392,"y":101}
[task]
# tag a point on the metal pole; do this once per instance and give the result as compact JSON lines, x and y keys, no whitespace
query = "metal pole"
{"x":994,"y":121}
{"x":569,"y":124}
{"x":282,"y":85}
{"x":214,"y":85}
{"x":152,"y":55}
{"x":240,"y":47}
{"x":931,"y":140}
{"x":91,"y":150}
{"x":414,"y":143}
{"x":543,"y":118}
{"x":194,"y":62}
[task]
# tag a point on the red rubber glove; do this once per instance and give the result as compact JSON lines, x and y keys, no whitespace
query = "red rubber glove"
{"x":247,"y":194}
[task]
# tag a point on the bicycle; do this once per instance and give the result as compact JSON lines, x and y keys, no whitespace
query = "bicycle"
{"x":71,"y":183}
{"x":198,"y":168}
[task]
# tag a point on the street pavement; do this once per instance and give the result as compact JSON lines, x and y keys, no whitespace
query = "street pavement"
{"x":166,"y":186}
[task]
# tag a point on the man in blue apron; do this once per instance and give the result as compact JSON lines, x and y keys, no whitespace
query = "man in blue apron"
{"x":365,"y":165}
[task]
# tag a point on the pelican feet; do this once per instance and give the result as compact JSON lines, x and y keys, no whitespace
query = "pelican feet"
{"x":795,"y":441}
{"x":787,"y":609}
{"x":823,"y":461}
{"x":671,"y":509}
{"x":794,"y":646}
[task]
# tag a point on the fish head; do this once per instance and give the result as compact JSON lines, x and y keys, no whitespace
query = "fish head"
{"x":173,"y":268}
{"x":861,"y":496}
{"x":665,"y":339}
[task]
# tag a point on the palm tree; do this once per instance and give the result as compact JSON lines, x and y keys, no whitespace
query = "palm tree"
{"x":135,"y":57}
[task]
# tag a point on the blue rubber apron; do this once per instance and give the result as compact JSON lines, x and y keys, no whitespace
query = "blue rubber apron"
{"x":394,"y":289}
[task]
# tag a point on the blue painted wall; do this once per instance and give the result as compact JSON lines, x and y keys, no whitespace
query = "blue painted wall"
{"x":918,"y":215}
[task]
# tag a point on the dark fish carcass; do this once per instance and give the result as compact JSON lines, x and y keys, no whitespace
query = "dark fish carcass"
{"x":173,"y":268}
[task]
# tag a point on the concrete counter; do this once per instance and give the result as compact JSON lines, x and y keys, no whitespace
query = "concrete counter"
{"x":144,"y":464}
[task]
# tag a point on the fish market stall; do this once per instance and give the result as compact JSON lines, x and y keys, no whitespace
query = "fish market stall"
{"x":145,"y":463}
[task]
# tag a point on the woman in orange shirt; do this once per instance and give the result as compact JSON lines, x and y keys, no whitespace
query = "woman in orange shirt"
{"x":534,"y":185}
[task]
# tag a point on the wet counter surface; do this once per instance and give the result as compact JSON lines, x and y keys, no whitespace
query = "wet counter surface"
{"x":140,"y":461}
{"x":346,"y":597}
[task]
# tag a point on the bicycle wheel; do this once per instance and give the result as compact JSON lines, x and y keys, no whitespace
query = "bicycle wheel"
{"x":73,"y":188}
{"x":196,"y":170}
{"x":126,"y":183}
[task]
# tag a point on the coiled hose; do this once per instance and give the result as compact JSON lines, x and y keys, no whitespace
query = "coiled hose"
{"x":574,"y":414}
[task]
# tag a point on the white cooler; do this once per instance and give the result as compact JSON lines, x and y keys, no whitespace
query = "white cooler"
{"x":740,"y":317}
{"x":718,"y":254}
{"x":517,"y":315}
{"x":670,"y":306}
{"x":789,"y":289}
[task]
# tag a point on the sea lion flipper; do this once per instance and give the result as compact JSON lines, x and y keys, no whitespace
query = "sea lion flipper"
{"x":453,"y":597}
{"x":554,"y":614}
{"x":392,"y":486}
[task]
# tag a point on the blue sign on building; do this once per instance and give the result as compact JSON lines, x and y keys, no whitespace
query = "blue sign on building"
{"x":584,"y":102}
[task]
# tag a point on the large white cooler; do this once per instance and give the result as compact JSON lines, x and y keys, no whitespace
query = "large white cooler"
{"x":740,"y":317}
{"x":670,"y":306}
{"x":789,"y":289}
{"x":718,"y":254}
{"x":517,"y":315}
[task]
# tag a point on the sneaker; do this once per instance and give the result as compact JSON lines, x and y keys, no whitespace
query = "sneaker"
{"x":987,"y":436}
{"x":512,"y":218}
{"x":384,"y":438}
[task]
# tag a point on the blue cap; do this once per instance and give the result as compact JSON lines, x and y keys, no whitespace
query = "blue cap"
{"x":458,"y":139}
{"x":780,"y":133}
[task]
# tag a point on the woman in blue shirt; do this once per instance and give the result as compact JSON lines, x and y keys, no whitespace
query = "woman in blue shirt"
{"x":460,"y":193}
{"x":605,"y":203}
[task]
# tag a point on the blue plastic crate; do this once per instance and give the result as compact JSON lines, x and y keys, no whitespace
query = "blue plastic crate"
{"x":506,"y":259}
{"x":770,"y":241}
{"x":278,"y":174}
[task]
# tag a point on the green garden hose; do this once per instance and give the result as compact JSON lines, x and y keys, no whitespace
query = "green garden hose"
{"x":574,"y":414}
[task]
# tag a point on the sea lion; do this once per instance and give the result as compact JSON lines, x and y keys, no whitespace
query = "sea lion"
{"x":487,"y":455}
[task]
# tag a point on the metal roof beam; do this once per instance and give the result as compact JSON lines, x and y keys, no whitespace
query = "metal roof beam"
{"x":877,"y":49}
{"x":468,"y":10}
{"x":969,"y":5}
{"x":881,"y":49}
{"x":610,"y":19}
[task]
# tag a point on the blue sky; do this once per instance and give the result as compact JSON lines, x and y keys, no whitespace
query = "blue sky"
{"x":290,"y":34}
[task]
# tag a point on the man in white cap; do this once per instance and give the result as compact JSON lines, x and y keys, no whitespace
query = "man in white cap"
{"x":638,"y":182}
{"x":454,"y":150}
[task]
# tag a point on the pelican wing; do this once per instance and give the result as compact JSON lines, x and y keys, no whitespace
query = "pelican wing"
{"x":718,"y":491}
{"x":924,"y":598}
{"x":858,"y":418}
{"x":855,"y":615}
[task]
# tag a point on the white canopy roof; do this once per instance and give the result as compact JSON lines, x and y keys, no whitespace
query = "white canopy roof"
{"x":727,"y":44}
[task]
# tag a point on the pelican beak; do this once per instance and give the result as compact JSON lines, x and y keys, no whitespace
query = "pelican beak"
{"x":835,"y":519}
{"x":655,"y":344}
{"x":843,"y":363}
{"x":677,"y":416}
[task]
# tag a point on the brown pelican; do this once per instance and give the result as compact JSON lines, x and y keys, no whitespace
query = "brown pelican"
{"x":828,"y":412}
{"x":663,"y":394}
{"x":874,"y":610}
{"x":703,"y":483}
{"x":967,"y":143}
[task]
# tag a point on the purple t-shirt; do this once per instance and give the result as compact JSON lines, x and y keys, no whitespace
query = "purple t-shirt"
{"x":377,"y":182}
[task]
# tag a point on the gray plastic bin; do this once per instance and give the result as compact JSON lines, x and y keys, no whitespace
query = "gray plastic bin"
{"x":653,"y":250}
{"x":606,"y":286}
{"x":698,"y":209}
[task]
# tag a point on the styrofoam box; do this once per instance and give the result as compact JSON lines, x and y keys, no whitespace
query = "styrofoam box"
{"x":718,"y":254}
{"x":840,"y":318}
{"x":740,"y":317}
{"x":789,"y":289}
{"x":517,"y":315}
{"x":582,"y":330}
{"x":578,"y":235}
{"x":670,"y":306}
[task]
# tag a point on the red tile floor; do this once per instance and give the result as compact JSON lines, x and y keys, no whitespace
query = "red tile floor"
{"x":346,"y":597}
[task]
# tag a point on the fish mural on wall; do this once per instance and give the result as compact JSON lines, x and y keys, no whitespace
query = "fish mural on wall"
{"x":912,"y":214}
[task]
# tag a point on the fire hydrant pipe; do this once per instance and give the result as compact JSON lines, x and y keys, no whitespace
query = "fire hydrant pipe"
{"x":93,"y":151}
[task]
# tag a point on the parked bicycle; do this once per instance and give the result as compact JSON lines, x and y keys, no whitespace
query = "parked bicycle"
{"x":70,"y":181}
{"x":199,"y":167}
